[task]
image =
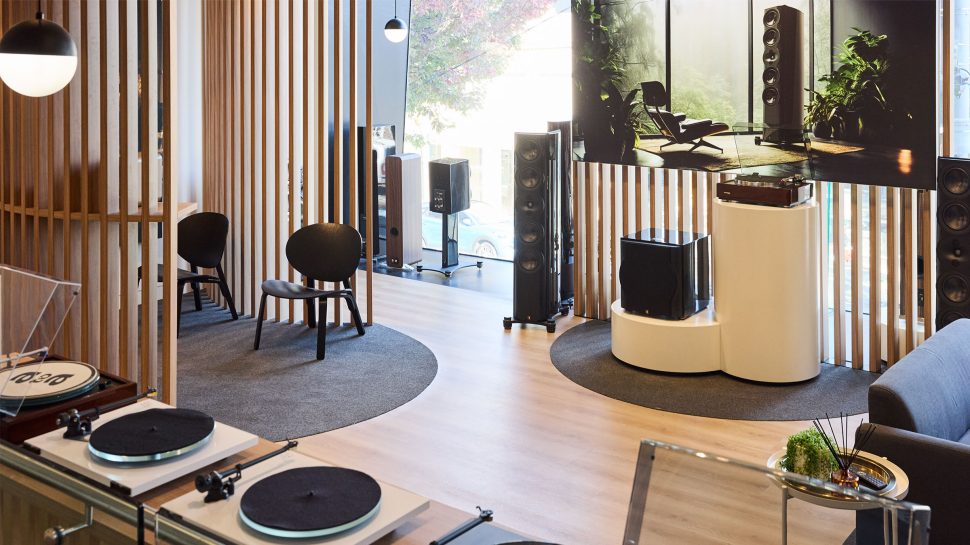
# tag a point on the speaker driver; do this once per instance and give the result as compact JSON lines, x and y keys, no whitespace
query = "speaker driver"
{"x":771,"y":17}
{"x":770,"y":76}
{"x":955,"y":216}
{"x":955,"y":288}
{"x":956,"y":181}
{"x":530,"y":233}
{"x":770,"y":37}
{"x":529,"y":151}
{"x":951,"y":254}
{"x":770,"y":95}
{"x":948,"y":318}
{"x":770,"y":56}
{"x":531,"y":204}
{"x":527,"y":178}
{"x":530,"y":261}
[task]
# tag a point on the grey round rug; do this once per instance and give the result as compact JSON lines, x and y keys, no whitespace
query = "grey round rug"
{"x":280,"y":391}
{"x":583,"y":355}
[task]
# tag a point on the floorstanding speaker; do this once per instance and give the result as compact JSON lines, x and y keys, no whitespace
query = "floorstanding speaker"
{"x":566,"y":208}
{"x":537,"y":230}
{"x":953,"y":241}
{"x":783,"y":94}
{"x":403,"y":209}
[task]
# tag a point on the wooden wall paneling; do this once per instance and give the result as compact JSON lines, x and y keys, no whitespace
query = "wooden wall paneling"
{"x":600,"y":241}
{"x":4,"y":146}
{"x":681,"y":188}
{"x":875,"y":279}
{"x":305,"y":189}
{"x":695,"y":196}
{"x":910,"y":278}
{"x":855,"y":214}
{"x":579,"y":283}
{"x":338,"y":124}
{"x":352,"y":217}
{"x":110,"y":165}
{"x":170,"y":198}
{"x":148,"y":51}
{"x":625,"y":201}
{"x":253,"y":157}
{"x":84,"y":51}
{"x":638,"y":199}
{"x":822,"y":199}
{"x":290,"y":146}
{"x":652,"y":198}
{"x":589,"y":248}
{"x":612,"y":269}
{"x":666,"y":200}
{"x":368,"y":145}
{"x":127,"y":155}
{"x":892,"y":275}
{"x":264,"y":227}
{"x":838,"y":279}
{"x":277,"y":236}
{"x":927,"y":239}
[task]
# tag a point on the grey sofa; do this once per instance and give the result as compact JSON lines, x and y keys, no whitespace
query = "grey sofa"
{"x":920,"y":408}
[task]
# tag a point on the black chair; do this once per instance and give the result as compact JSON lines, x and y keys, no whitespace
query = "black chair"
{"x":201,"y":242}
{"x":324,"y":252}
{"x":675,"y":126}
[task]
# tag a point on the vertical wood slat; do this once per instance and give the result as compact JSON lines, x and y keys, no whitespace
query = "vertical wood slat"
{"x":612,"y":253}
{"x":875,"y":281}
{"x":910,"y":290}
{"x":694,"y":198}
{"x":824,"y":262}
{"x":892,"y":275}
{"x":369,"y":145}
{"x":277,"y":239}
{"x":927,"y":214}
{"x":579,"y":222}
{"x":838,"y":264}
{"x":338,"y":123}
{"x":353,"y":217}
{"x":170,"y":198}
{"x":652,"y":199}
{"x":856,"y":279}
{"x":600,"y":220}
{"x":588,"y":247}
{"x":638,"y":189}
{"x":84,"y":51}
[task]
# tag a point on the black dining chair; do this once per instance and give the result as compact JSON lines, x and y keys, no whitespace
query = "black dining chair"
{"x":323,"y":252}
{"x":202,"y":243}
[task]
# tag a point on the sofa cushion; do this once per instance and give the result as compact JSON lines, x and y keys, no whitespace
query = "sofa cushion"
{"x":966,"y":438}
{"x":928,"y":391}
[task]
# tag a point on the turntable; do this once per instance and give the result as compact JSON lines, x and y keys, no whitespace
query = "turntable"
{"x":288,"y":497}
{"x":140,"y":446}
{"x":766,"y":190}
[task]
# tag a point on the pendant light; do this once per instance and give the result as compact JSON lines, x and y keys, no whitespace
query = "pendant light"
{"x":396,"y":30}
{"x":37,"y":57}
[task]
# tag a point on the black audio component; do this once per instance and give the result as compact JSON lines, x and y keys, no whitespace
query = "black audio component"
{"x":952,"y":240}
{"x":766,"y":190}
{"x":450,"y":192}
{"x":665,"y":274}
{"x":537,"y":230}
{"x":783,"y":94}
{"x":567,"y":255}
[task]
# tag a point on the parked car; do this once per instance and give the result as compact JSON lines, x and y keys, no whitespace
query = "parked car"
{"x":483,"y":231}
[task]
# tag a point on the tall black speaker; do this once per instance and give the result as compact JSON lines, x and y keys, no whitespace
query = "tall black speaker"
{"x":537,"y":230}
{"x":783,"y":94}
{"x":953,"y":240}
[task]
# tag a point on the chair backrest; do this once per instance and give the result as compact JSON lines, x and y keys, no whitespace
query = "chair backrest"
{"x":654,"y":94}
{"x":327,"y":252}
{"x":928,"y":391}
{"x":202,"y":238}
{"x":666,"y":122}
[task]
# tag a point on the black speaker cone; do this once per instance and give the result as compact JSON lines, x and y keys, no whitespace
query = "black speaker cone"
{"x":771,"y":17}
{"x":955,"y":216}
{"x":528,"y":178}
{"x":770,"y":56}
{"x":948,"y":318}
{"x":956,"y":181}
{"x":955,"y":289}
{"x":529,"y":151}
{"x":770,"y":96}
{"x":770,"y":76}
{"x":530,"y":233}
{"x":529,"y":261}
{"x":770,"y":37}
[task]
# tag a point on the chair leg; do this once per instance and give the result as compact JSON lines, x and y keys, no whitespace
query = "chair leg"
{"x":311,"y":314}
{"x":703,"y":142}
{"x":355,"y":312}
{"x":322,"y":330}
{"x":224,"y":288}
{"x":178,"y":309}
{"x":197,"y":291}
{"x":671,"y":143}
{"x":259,"y":320}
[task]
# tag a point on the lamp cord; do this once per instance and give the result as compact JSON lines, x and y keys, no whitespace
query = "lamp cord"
{"x":395,"y":9}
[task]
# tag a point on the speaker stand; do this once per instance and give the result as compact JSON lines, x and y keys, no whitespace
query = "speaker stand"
{"x":549,"y":322}
{"x":450,"y":261}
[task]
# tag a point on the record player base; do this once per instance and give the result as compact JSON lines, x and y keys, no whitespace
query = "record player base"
{"x":672,"y":346}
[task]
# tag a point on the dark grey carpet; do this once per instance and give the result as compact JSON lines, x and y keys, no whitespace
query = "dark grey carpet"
{"x":281,"y":391}
{"x":583,"y":355}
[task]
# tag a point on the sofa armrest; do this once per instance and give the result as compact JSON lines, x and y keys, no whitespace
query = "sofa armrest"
{"x":933,"y":466}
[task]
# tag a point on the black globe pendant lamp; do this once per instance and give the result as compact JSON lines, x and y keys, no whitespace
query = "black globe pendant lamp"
{"x":396,"y":29}
{"x":37,"y":57}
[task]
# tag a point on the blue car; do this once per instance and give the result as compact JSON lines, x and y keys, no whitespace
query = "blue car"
{"x":483,"y":231}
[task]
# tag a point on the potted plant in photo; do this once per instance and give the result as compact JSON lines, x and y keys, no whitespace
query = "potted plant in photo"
{"x":853,"y":104}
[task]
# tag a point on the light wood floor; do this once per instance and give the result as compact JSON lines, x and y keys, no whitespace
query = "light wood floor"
{"x":500,"y":427}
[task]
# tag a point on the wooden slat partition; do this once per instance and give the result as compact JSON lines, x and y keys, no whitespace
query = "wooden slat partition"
{"x":868,"y":279}
{"x":294,"y":77}
{"x":72,"y":183}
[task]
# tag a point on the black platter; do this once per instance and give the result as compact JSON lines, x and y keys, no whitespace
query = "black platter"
{"x":151,"y":435}
{"x":310,"y":502}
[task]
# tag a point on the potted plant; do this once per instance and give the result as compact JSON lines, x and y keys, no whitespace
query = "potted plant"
{"x":853,"y":104}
